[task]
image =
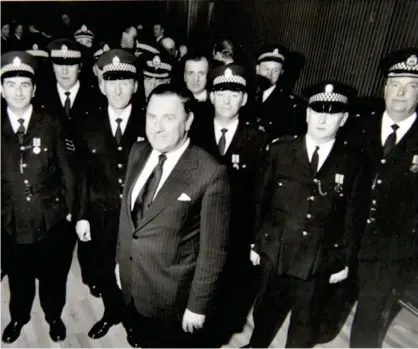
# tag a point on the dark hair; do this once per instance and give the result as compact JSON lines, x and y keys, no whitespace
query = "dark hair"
{"x":180,"y":91}
{"x":226,"y":47}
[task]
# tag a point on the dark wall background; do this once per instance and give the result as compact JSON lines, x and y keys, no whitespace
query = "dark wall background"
{"x":341,"y":39}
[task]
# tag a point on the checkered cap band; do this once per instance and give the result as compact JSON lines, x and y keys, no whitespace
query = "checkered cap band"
{"x":404,"y":66}
{"x":16,"y":67}
{"x":119,"y":67}
{"x":156,"y":75}
{"x":271,"y":55}
{"x":147,"y":48}
{"x":65,"y":54}
{"x":162,"y":65}
{"x":328,"y":97}
{"x":232,"y":79}
{"x":38,"y":53}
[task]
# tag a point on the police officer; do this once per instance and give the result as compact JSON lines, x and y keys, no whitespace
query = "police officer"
{"x":239,"y":146}
{"x":108,"y":135}
{"x":277,"y":112}
{"x":38,"y":190}
{"x":389,"y":248}
{"x":310,"y":213}
{"x":157,"y":70}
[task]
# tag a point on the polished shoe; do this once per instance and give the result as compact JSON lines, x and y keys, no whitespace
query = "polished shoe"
{"x":133,"y":341}
{"x":95,"y":291}
{"x":57,"y":330}
{"x":101,"y":328}
{"x":12,"y":331}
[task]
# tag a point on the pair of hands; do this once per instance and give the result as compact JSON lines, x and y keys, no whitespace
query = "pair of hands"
{"x":333,"y":279}
{"x":191,"y":321}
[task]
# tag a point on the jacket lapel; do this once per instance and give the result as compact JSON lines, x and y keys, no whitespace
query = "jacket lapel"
{"x":237,"y":140}
{"x":301,"y":153}
{"x":35,"y":124}
{"x":6,"y":128}
{"x":399,"y":149}
{"x":179,"y":181}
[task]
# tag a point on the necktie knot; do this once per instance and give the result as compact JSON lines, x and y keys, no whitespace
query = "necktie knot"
{"x":395,"y":127}
{"x":21,"y":121}
{"x":161,"y":159}
{"x":67,"y":93}
{"x":118,"y":121}
{"x":224,"y":130}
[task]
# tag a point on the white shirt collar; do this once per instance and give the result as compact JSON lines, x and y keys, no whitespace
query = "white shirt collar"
{"x":229,"y":135}
{"x":404,"y":126}
{"x":124,"y":116}
{"x":268,"y":92}
{"x":202,"y":96}
{"x":323,"y":152}
{"x":73,"y":93}
{"x":14,"y":118}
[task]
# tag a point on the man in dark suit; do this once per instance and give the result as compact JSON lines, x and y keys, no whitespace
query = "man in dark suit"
{"x":108,"y":137}
{"x":310,"y":214}
{"x":276,"y":111}
{"x":389,"y":249}
{"x":173,"y":229}
{"x":38,"y":190}
{"x":239,"y":146}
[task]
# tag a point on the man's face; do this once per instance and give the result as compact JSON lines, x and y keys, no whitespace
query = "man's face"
{"x":401,"y":96}
{"x":66,"y":19}
{"x":228,"y":103}
{"x":270,"y":70}
{"x":151,"y":82}
{"x":87,"y":42}
{"x":158,"y":30}
{"x":195,"y":75}
{"x":19,"y":30}
{"x":5,"y":30}
{"x":119,"y":92}
{"x":18,"y":91}
{"x":129,"y":37}
{"x":167,"y":123}
{"x":323,"y":127}
{"x":66,"y":75}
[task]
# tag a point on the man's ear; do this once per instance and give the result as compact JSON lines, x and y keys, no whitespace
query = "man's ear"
{"x":308,"y":114}
{"x":34,"y":91}
{"x":344,"y":119}
{"x":189,"y":121}
{"x":135,"y":86}
{"x":244,"y":99}
{"x":257,"y":68}
{"x":212,"y":97}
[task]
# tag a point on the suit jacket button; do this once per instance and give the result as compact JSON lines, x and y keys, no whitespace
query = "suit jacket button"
{"x":383,"y":161}
{"x":120,"y":181}
{"x":120,"y":148}
{"x":120,"y":195}
{"x":309,"y":216}
{"x":28,"y":198}
{"x":24,"y":165}
{"x":305,"y":233}
{"x":26,"y":181}
{"x":379,"y":181}
{"x":336,"y":245}
{"x":119,"y":165}
{"x":22,"y":148}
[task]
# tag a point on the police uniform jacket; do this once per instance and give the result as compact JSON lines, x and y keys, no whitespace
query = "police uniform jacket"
{"x":38,"y":184}
{"x":305,"y":223}
{"x":241,"y":159}
{"x":280,"y":114}
{"x":392,"y":223}
{"x":103,"y":178}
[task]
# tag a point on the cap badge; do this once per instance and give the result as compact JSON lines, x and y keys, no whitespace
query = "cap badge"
{"x":329,"y":88}
{"x":412,"y":61}
{"x":276,"y":51}
{"x":17,"y":61}
{"x":64,"y":48}
{"x":35,"y":47}
{"x":106,"y":48}
{"x":228,"y":73}
{"x":156,"y":61}
{"x":84,"y":28}
{"x":115,"y":60}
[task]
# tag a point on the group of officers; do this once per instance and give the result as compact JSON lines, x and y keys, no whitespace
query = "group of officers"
{"x":192,"y":197}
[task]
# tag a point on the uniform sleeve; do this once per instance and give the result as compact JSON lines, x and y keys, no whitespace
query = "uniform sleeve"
{"x":214,"y":236}
{"x":83,"y":178}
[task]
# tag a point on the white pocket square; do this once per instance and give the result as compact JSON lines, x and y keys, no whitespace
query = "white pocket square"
{"x":184,"y":197}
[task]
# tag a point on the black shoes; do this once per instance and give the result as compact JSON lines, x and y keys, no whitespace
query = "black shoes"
{"x":101,"y":328}
{"x":57,"y":330}
{"x":12,"y":331}
{"x":94,"y":291}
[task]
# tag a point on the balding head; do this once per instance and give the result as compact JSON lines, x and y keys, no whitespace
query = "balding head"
{"x":170,"y":45}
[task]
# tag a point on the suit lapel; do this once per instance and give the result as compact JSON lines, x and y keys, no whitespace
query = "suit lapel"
{"x":301,"y":153}
{"x":177,"y":182}
{"x":237,"y":140}
{"x":399,"y":149}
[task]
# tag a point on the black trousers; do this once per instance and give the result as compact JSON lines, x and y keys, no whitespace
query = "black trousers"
{"x":278,"y":295}
{"x":49,"y":261}
{"x":99,"y":262}
{"x":156,"y":333}
{"x":378,"y":283}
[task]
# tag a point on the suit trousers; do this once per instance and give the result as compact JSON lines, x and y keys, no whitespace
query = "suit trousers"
{"x":280,"y":294}
{"x":157,"y":333}
{"x":49,"y":261}
{"x":100,"y":254}
{"x":378,"y":283}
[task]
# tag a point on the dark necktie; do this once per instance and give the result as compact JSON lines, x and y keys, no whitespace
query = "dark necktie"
{"x":118,"y":133}
{"x":315,"y":160}
{"x":146,"y":195}
{"x":67,"y":104}
{"x":390,"y":141}
{"x":222,"y":142}
{"x":21,"y":131}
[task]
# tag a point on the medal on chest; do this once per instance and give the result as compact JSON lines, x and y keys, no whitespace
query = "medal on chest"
{"x":414,"y":166}
{"x":36,"y":146}
{"x":339,"y":181}
{"x":235,"y":161}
